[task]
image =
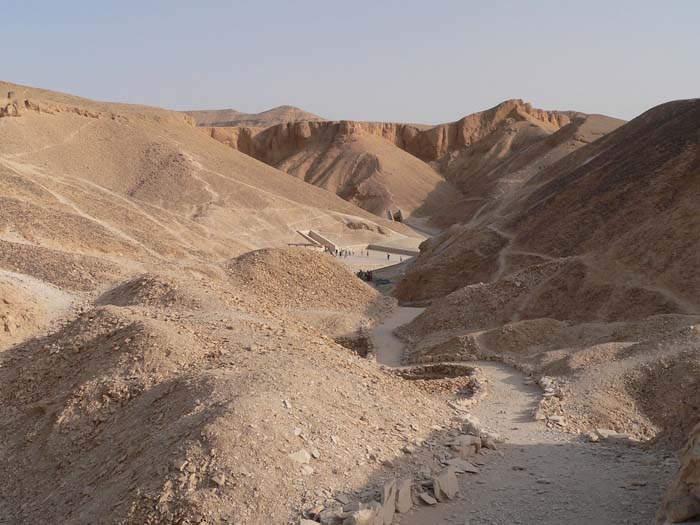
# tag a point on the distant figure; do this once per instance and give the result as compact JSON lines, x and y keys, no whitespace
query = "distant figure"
{"x":388,"y":256}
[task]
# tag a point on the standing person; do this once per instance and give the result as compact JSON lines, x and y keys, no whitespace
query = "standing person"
{"x":388,"y":256}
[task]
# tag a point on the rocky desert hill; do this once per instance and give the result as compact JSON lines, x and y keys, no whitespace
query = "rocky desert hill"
{"x":167,"y":357}
{"x":151,"y":367}
{"x":586,"y":274}
{"x":94,"y":182}
{"x":264,"y":119}
{"x":447,"y":172}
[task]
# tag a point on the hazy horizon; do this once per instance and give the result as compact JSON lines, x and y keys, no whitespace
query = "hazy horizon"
{"x":398,"y":61}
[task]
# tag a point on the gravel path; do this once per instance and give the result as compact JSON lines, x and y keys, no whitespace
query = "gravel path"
{"x":388,"y":349}
{"x":539,"y":476}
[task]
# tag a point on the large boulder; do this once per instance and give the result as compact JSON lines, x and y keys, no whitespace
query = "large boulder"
{"x":682,"y":501}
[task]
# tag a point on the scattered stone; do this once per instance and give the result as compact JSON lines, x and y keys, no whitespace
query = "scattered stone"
{"x":683,"y":509}
{"x":427,"y":498}
{"x":559,"y":420}
{"x":610,"y":436}
{"x":409,"y":449}
{"x":331,"y":516}
{"x":404,"y":501}
{"x":471,"y":425}
{"x":287,"y":404}
{"x":342,"y":498}
{"x":304,"y":521}
{"x":219,"y":479}
{"x":361,"y":517}
{"x":462,"y":466}
{"x":489,"y":442}
{"x":467,"y":445}
{"x":388,"y":499}
{"x":314,"y":511}
{"x":593,"y":437}
{"x":307,"y":470}
{"x":300,"y":456}
{"x":445,"y":484}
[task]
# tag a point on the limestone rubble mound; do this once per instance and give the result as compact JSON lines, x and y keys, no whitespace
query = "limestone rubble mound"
{"x":164,"y":415}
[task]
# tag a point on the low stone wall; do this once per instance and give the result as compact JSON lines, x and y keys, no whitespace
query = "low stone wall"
{"x":392,"y":249}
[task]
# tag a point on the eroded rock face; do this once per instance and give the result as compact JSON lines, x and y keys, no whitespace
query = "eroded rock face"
{"x":11,"y":107}
{"x":356,"y":160}
{"x":426,"y":143}
{"x":682,"y":501}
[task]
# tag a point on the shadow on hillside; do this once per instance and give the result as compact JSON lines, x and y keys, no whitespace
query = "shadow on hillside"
{"x":80,"y":427}
{"x":446,"y":205}
{"x":442,"y":195}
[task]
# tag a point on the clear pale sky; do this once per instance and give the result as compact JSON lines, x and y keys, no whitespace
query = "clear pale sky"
{"x":414,"y":61}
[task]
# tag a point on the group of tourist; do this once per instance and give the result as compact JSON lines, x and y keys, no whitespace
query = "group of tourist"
{"x":345,"y":253}
{"x":365,"y":275}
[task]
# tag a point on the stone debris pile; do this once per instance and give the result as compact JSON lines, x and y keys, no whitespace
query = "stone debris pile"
{"x":424,"y":488}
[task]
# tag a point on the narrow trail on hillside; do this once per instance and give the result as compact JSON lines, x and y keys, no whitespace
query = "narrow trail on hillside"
{"x":388,"y":349}
{"x":538,"y":476}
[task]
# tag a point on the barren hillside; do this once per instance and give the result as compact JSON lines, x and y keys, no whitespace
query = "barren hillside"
{"x":447,"y":172}
{"x":145,"y":353}
{"x":100,"y":183}
{"x":264,"y":119}
{"x":167,"y":357}
{"x":587,"y":274}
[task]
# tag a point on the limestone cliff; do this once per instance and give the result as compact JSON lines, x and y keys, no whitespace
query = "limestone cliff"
{"x":454,"y":168}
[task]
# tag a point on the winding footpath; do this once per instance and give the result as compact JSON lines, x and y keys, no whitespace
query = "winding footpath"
{"x":538,"y":476}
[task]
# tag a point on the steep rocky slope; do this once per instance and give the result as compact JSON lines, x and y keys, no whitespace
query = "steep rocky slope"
{"x":587,"y":274}
{"x":98,"y":183}
{"x":151,"y":369}
{"x":264,"y":119}
{"x":350,"y":159}
{"x":624,"y":197}
{"x":384,"y":167}
{"x":173,"y":399}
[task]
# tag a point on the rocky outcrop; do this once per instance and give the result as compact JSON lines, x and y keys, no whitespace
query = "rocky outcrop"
{"x":11,"y":107}
{"x":274,"y":143}
{"x":231,"y":117}
{"x":385,"y":166}
{"x":682,"y":501}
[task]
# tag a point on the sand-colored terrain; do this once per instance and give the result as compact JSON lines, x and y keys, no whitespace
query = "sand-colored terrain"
{"x":167,"y":357}
{"x":446,"y":173}
{"x":264,"y":119}
{"x":148,"y":372}
{"x":586,"y":274}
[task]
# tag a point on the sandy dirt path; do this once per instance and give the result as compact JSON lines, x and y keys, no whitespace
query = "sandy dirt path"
{"x":388,"y":349}
{"x":538,"y":476}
